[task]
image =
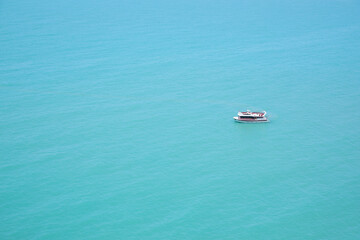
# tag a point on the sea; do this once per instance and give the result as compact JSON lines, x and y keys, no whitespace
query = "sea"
{"x":116,"y":119}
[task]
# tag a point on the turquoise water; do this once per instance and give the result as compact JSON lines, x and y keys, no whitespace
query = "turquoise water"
{"x":116,"y":119}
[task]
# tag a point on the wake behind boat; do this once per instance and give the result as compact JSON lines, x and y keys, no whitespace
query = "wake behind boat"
{"x":251,"y":117}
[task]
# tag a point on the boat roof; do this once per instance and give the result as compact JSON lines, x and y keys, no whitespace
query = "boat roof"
{"x":255,"y":114}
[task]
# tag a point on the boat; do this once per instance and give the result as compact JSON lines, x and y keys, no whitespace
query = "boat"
{"x":251,"y":117}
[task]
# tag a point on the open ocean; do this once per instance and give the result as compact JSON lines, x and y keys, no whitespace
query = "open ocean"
{"x":116,"y":119}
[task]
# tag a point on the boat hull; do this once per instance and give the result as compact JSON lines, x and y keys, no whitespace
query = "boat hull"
{"x":251,"y":121}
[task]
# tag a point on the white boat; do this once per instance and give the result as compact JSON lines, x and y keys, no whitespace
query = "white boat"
{"x":251,"y":117}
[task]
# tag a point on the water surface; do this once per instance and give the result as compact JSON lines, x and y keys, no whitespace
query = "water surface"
{"x":116,"y":119}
